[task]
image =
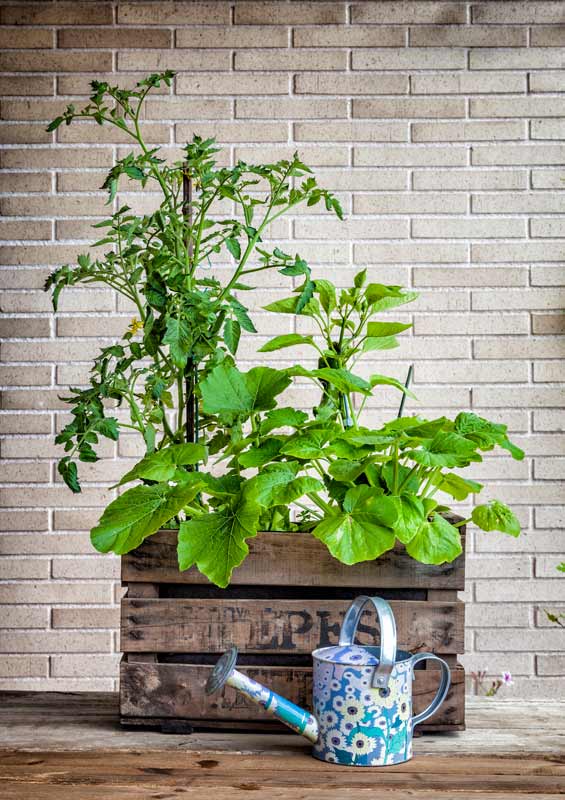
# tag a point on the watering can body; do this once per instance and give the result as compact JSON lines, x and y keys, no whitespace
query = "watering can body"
{"x":362,"y":695}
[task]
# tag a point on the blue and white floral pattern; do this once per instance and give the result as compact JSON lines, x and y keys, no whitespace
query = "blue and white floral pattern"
{"x":360,"y":725}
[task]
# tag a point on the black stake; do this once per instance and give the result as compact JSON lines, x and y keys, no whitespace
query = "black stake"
{"x":406,"y":385}
{"x":190,"y":373}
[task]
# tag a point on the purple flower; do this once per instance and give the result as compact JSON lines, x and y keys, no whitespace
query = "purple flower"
{"x":507,"y":679}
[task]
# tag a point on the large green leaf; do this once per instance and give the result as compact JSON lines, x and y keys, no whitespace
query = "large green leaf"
{"x":178,"y":337}
{"x":216,"y":542}
{"x":454,"y":485}
{"x":495,"y":516}
{"x":162,"y":465}
{"x":225,"y":391}
{"x":379,"y":343}
{"x":291,"y":305}
{"x":445,"y":450}
{"x":262,"y":454}
{"x":231,"y":393}
{"x":410,"y":517}
{"x":327,"y":294}
{"x":361,"y":531}
{"x":277,"y":485}
{"x":384,"y":380}
{"x":286,"y":340}
{"x":140,"y":512}
{"x":343,"y":380}
{"x":282,"y":418}
{"x":306,"y":445}
{"x":232,"y":334}
{"x":436,"y":542}
{"x":263,"y":385}
{"x":378,"y":329}
{"x":486,"y":434}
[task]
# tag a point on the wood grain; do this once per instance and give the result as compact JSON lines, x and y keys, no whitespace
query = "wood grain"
{"x":293,"y":559}
{"x":177,"y":691}
{"x":279,"y":626}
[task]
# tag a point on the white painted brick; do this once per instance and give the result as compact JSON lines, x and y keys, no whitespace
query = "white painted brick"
{"x":409,"y":108}
{"x":546,"y":566}
{"x":549,"y":420}
{"x":453,"y":175}
{"x":537,"y":347}
{"x":547,"y":178}
{"x":487,"y":397}
{"x":518,"y":298}
{"x":467,"y":83}
{"x":519,"y":591}
{"x":511,"y":154}
{"x":410,"y":203}
{"x":518,"y":58}
{"x":410,"y":156}
{"x":548,"y":128}
{"x":553,"y":664}
{"x":522,"y":12}
{"x":320,"y":228}
{"x":549,"y":468}
{"x":408,"y":58}
{"x":546,"y":82}
{"x":470,"y":276}
{"x":537,"y":541}
{"x":549,"y":372}
{"x":547,"y":227}
{"x":488,"y":615}
{"x":472,"y":372}
{"x":470,"y":324}
{"x":414,"y":253}
{"x":470,"y":179}
{"x":525,"y":251}
{"x":523,"y":203}
{"x":467,"y":131}
{"x":350,"y":84}
{"x":533,"y":640}
{"x":412,"y":12}
{"x":455,"y":228}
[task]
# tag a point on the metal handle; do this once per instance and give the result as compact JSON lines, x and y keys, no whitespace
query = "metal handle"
{"x":444,"y":685}
{"x":388,"y":634}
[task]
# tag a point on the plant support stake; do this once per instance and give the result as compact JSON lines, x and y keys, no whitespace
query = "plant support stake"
{"x":406,"y":386}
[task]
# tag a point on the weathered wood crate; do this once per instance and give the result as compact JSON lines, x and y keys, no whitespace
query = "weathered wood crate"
{"x":287,"y":599}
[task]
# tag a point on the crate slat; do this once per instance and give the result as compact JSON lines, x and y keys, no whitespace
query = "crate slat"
{"x":279,"y":625}
{"x":293,"y":559}
{"x":286,"y":599}
{"x":176,"y":691}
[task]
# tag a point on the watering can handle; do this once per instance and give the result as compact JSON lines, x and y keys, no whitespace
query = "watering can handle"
{"x":444,"y":685}
{"x":388,"y":634}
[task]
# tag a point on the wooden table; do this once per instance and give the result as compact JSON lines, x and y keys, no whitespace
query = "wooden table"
{"x":71,"y":747}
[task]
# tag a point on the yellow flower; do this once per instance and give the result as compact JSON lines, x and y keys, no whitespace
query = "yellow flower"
{"x":135,"y":326}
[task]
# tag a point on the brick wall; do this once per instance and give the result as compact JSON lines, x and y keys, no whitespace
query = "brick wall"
{"x":439,"y":124}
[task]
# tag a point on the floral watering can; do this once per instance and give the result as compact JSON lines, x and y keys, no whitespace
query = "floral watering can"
{"x":362,"y":695}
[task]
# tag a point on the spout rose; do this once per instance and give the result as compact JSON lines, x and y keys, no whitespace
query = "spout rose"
{"x":292,"y":715}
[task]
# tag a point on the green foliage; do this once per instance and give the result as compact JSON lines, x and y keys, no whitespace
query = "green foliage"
{"x":174,"y":377}
{"x":496,"y":517}
{"x":188,"y":319}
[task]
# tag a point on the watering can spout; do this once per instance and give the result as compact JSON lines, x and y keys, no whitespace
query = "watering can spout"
{"x":297,"y":718}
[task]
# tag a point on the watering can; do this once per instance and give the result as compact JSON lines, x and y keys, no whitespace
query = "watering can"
{"x":362,"y":695}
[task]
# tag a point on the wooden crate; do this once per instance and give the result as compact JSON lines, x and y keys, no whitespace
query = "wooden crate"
{"x":286,"y":599}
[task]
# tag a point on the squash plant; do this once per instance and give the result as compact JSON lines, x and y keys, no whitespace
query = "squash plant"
{"x":360,"y":490}
{"x":174,"y":376}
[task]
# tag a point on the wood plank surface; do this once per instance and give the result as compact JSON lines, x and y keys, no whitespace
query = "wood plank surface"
{"x":293,"y":559}
{"x":177,"y":691}
{"x":279,"y":626}
{"x":292,"y":775}
{"x":80,"y":722}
